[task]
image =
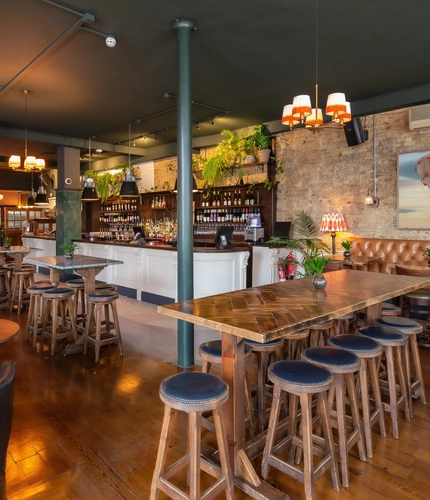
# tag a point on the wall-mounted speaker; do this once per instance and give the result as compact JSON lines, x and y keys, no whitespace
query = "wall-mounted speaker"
{"x":354,"y":132}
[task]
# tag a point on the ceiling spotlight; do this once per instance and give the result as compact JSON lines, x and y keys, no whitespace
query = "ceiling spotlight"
{"x":144,"y":138}
{"x":212,"y":121}
{"x":197,"y":126}
{"x":155,"y":136}
{"x":110,"y":41}
{"x":99,"y":151}
{"x":134,"y":142}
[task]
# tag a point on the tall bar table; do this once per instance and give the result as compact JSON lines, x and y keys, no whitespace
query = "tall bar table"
{"x":273,"y":311}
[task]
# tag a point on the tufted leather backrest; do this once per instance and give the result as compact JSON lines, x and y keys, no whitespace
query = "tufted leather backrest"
{"x":390,"y":251}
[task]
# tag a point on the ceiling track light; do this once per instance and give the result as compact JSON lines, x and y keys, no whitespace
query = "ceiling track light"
{"x":129,"y":187}
{"x":197,"y":126}
{"x":89,"y":193}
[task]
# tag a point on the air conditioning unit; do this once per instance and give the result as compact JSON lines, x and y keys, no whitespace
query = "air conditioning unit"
{"x":419,"y":117}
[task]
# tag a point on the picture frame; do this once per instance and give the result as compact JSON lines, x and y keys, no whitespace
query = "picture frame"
{"x":413,"y":190}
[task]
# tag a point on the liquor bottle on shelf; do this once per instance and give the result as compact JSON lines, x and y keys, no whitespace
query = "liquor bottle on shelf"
{"x":218,"y":200}
{"x":251,"y":198}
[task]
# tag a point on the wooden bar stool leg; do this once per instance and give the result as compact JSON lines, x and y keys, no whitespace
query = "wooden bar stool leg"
{"x":162,"y":451}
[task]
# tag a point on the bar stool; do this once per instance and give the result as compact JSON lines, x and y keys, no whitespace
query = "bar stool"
{"x":193,"y":393}
{"x":389,"y":309}
{"x":104,"y":332}
{"x":58,"y":316}
{"x":393,"y":343}
{"x":211,"y":353}
{"x":78,"y":287}
{"x":367,"y":350}
{"x":4,"y":282}
{"x":35,"y":309}
{"x":342,"y":365}
{"x":341,"y":324}
{"x":320,"y":329}
{"x":264,"y":352}
{"x":411,"y":329}
{"x":21,"y":280}
{"x":295,"y":343}
{"x":301,"y":380}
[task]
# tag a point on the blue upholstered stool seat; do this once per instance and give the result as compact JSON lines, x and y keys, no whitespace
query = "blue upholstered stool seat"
{"x":389,"y":309}
{"x":197,"y":390}
{"x":78,"y":281}
{"x":332,"y":358}
{"x":300,"y":375}
{"x":272,"y":343}
{"x":384,"y":335}
{"x":39,"y":287}
{"x":57,"y":291}
{"x":405,"y":325}
{"x":363,"y":347}
{"x":102,"y":294}
{"x":213,"y":348}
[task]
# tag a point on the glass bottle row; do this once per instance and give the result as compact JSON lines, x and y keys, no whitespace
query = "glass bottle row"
{"x":225,"y":214}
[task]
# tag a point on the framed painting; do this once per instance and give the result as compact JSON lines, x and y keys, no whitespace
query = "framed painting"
{"x":413,"y":190}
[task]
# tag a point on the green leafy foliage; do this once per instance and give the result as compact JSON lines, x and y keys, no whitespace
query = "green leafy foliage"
{"x":68,"y":248}
{"x":315,"y":265}
{"x":346,"y":245}
{"x":427,"y":252}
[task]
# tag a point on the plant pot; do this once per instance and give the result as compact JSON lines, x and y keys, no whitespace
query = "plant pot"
{"x":6,"y":246}
{"x":263,"y":155}
{"x":249,"y":159}
{"x":347,"y":254}
{"x":319,"y":282}
{"x":68,"y":255}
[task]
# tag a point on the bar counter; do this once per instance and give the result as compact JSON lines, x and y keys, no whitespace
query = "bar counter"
{"x":149,"y":272}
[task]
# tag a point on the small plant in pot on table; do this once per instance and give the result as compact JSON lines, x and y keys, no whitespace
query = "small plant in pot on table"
{"x":7,"y":241}
{"x":346,"y":245}
{"x":427,"y":253}
{"x":68,"y":249}
{"x":314,"y":266}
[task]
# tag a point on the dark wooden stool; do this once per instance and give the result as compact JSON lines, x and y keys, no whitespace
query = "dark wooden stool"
{"x":343,"y":365}
{"x":341,"y":324}
{"x":264,"y":352}
{"x":21,"y":280}
{"x":58,"y":316}
{"x":78,"y":287}
{"x":295,"y":343}
{"x":4,"y":282}
{"x":301,"y":380}
{"x":411,"y":329}
{"x":193,"y":393}
{"x":35,"y":309}
{"x":104,"y":332}
{"x":319,"y":330}
{"x":367,"y":350}
{"x":395,"y":345}
{"x":211,"y":353}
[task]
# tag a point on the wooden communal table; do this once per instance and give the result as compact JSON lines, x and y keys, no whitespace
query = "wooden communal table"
{"x":269,"y":312}
{"x":86,"y":266}
{"x":413,"y":265}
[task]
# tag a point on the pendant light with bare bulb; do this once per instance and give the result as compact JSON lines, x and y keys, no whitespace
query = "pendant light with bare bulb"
{"x":89,"y":193}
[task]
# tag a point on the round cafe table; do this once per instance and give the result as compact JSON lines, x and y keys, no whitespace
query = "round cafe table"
{"x":8,"y":330}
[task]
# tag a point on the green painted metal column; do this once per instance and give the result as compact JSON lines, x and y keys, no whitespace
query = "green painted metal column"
{"x":185,"y":190}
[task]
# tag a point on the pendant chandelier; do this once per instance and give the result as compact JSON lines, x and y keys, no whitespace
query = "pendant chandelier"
{"x":300,"y":112}
{"x":89,"y":193}
{"x":129,"y":186}
{"x":30,"y":162}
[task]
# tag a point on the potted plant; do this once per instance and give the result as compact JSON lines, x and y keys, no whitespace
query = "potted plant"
{"x":346,"y":245}
{"x":7,"y":240}
{"x":260,"y":142}
{"x":68,"y":249}
{"x":315,"y":266}
{"x":427,"y":253}
{"x":305,"y":244}
{"x":228,"y":154}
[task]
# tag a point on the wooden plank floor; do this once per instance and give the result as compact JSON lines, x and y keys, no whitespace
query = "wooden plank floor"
{"x":90,"y":431}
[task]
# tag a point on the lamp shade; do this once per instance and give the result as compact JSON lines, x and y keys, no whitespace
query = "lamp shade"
{"x":347,"y":116}
{"x":129,"y":186}
{"x":41,"y":198}
{"x":302,"y":106}
{"x":333,"y":222}
{"x":14,"y":162}
{"x":31,"y":200}
{"x":336,"y":105}
{"x":287,"y":116}
{"x":89,"y":193}
{"x":314,"y":119}
{"x":30,"y":163}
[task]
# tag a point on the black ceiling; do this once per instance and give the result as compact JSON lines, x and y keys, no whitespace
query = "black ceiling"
{"x":249,"y":58}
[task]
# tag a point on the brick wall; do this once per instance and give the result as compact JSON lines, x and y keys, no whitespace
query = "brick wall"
{"x":322,"y":174}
